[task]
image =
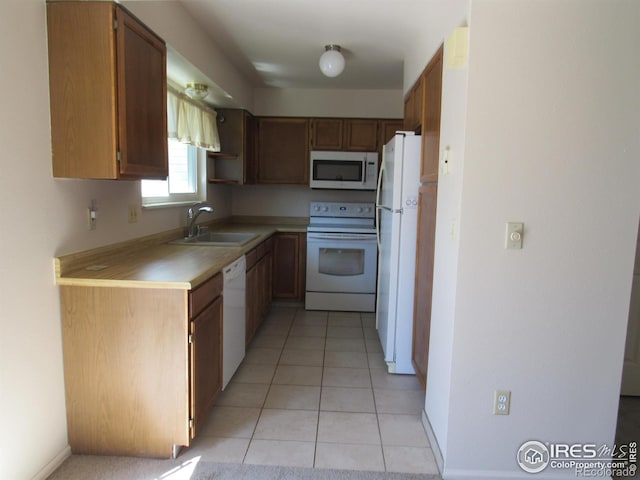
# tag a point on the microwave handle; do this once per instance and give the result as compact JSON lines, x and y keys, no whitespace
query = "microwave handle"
{"x":364,"y":171}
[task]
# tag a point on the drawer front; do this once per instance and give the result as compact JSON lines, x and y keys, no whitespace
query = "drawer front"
{"x":251,"y":258}
{"x":204,"y":294}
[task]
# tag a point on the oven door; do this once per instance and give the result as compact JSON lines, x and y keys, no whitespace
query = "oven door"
{"x":341,"y":262}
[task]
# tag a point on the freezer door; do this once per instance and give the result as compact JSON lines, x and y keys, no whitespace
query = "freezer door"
{"x":390,"y":182}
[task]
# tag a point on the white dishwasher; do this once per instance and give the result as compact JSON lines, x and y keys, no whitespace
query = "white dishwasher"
{"x":233,"y":318}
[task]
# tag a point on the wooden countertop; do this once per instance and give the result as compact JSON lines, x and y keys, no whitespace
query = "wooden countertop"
{"x":151,"y":262}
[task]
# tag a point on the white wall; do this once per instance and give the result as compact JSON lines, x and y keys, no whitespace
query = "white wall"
{"x":43,"y":217}
{"x":452,"y":137}
{"x":172,"y":22}
{"x":440,"y":18}
{"x":309,"y":102}
{"x":288,"y":200}
{"x":551,"y":140}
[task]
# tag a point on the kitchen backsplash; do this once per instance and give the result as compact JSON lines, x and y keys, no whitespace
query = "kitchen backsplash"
{"x":287,"y":200}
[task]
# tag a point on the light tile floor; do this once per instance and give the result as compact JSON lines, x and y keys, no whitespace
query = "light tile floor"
{"x":313,"y":391}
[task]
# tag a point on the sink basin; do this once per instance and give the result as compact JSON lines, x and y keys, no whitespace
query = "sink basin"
{"x":230,"y":239}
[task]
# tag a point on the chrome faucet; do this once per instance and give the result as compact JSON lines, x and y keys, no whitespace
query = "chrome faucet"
{"x":193,"y":212}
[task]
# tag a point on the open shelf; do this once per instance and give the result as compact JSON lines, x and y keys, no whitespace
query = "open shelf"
{"x":222,"y":155}
{"x":223,"y":181}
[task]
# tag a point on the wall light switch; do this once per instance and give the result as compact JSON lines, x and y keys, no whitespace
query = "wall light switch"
{"x":513,"y":236}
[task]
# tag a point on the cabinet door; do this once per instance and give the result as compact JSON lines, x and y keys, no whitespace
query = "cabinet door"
{"x":289,"y":266}
{"x":262,"y":287}
{"x":252,"y":303}
{"x":142,"y":99}
{"x":250,"y":165}
{"x":388,"y":129}
{"x":327,"y":133}
{"x":413,"y":106}
{"x":427,"y":199}
{"x":286,"y":253}
{"x":206,"y":362}
{"x":361,"y":135}
{"x":283,"y":151}
{"x":431,"y":126}
{"x":268,"y":286}
{"x":83,"y":103}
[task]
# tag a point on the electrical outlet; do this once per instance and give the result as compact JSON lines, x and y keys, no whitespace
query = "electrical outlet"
{"x":133,"y":213}
{"x":91,"y":218}
{"x":502,"y":402}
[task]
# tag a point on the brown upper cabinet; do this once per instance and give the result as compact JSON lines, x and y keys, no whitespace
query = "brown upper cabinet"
{"x":327,"y":134}
{"x":108,"y":93}
{"x":361,"y":135}
{"x":432,"y":80}
{"x":235,"y":163}
{"x":388,"y":129}
{"x":282,"y":150}
{"x":413,"y":106}
{"x":353,"y":134}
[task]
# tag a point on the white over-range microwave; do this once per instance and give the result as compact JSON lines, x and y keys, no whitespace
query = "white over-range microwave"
{"x":344,"y":170}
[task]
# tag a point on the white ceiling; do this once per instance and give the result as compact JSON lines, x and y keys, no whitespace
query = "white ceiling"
{"x":278,"y":42}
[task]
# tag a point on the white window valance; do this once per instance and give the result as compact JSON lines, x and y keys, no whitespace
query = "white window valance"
{"x":191,"y":123}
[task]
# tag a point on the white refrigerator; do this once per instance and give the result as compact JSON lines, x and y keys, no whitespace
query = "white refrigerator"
{"x":397,"y":220}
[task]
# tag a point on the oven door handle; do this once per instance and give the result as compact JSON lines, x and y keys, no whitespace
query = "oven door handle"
{"x":341,"y":236}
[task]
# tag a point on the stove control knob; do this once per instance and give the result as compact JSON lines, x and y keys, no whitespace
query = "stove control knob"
{"x":325,"y":209}
{"x":359,"y":209}
{"x":316,"y":208}
{"x":368,"y":209}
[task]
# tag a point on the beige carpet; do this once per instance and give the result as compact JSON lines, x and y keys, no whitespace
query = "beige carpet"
{"x":89,"y":467}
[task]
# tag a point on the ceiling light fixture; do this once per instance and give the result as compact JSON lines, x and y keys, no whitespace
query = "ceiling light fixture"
{"x":196,"y":91}
{"x":331,"y":61}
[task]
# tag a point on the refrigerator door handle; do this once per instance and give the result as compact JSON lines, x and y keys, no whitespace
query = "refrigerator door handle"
{"x":378,"y":207}
{"x":379,"y":189}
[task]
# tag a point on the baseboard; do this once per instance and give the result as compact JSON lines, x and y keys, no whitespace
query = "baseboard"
{"x":53,"y":465}
{"x":435,"y":447}
{"x":287,"y":303}
{"x":457,"y":474}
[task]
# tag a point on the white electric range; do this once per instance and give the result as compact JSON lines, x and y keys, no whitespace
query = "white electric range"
{"x":342,"y":257}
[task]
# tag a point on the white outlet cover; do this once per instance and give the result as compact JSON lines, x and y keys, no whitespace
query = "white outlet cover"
{"x":502,"y":402}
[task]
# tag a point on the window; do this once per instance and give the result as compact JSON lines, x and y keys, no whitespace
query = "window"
{"x":183,"y":184}
{"x":191,"y":128}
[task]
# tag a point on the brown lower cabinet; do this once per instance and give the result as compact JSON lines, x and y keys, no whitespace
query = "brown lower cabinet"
{"x":427,"y":201}
{"x":142,"y":366}
{"x":289,"y":266}
{"x":259,"y":286}
{"x":206,"y":362}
